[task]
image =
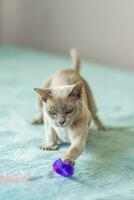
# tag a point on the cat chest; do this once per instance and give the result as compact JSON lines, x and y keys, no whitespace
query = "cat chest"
{"x":63,"y":134}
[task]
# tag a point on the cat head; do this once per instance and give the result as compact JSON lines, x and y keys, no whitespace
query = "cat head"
{"x":62,"y":104}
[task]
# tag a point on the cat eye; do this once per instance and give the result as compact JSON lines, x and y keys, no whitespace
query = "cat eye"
{"x":69,"y":111}
{"x":52,"y":112}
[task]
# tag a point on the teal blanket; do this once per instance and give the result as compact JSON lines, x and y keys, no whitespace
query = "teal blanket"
{"x":105,"y":171}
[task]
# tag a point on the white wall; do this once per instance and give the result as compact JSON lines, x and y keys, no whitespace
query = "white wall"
{"x":103,"y":30}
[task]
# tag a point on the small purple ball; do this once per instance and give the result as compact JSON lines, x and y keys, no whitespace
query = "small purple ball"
{"x":63,"y":168}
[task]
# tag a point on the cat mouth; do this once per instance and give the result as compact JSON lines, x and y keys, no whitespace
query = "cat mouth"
{"x":62,"y":126}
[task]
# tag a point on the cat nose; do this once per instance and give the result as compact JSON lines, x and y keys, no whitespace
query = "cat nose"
{"x":61,"y":121}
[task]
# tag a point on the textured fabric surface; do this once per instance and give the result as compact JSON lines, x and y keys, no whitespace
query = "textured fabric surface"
{"x":105,"y":171}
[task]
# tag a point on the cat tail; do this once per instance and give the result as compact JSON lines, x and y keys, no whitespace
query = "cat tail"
{"x":75,"y":60}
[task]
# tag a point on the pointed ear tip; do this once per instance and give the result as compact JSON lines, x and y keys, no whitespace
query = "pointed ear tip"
{"x":80,"y":83}
{"x":35,"y":89}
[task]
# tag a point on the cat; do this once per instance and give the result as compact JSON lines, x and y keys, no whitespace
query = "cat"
{"x":67,"y":109}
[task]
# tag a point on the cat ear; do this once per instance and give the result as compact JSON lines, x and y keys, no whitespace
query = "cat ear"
{"x":44,"y":93}
{"x":76,"y":91}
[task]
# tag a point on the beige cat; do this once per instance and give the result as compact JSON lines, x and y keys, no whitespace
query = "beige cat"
{"x":67,"y":109}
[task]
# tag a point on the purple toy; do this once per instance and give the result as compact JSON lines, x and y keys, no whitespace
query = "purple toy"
{"x":63,"y":168}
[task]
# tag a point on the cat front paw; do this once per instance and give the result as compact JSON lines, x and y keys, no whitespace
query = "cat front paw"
{"x":68,"y":159}
{"x":53,"y":147}
{"x":102,"y":128}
